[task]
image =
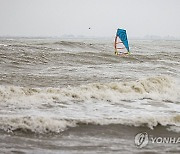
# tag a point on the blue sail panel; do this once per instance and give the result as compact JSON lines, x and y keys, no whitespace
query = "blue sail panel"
{"x":121,"y":33}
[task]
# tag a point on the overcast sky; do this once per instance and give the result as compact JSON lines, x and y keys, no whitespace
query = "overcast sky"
{"x":65,"y":17}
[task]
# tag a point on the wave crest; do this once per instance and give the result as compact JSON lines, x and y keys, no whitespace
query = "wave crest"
{"x":44,"y":110}
{"x":43,"y":125}
{"x":154,"y":88}
{"x":34,"y":124}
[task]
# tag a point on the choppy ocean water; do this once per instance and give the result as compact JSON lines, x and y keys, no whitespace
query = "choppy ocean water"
{"x":76,"y":96}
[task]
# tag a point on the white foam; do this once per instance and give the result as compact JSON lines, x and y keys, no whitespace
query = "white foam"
{"x":5,"y":45}
{"x":149,"y":102}
{"x":174,"y":129}
{"x":34,"y":124}
{"x":51,"y":124}
{"x":158,"y":88}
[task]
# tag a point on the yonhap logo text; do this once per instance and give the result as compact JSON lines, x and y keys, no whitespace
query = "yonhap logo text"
{"x":142,"y":139}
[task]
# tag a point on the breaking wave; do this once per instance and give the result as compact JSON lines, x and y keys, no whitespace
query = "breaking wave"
{"x":153,"y":88}
{"x":56,"y":109}
{"x":42,"y":125}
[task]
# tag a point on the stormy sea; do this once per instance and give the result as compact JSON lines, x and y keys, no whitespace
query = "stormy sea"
{"x":76,"y":96}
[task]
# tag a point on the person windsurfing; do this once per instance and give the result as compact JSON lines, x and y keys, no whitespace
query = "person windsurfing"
{"x":121,"y":44}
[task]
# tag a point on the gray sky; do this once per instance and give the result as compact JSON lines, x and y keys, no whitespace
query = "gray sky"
{"x":60,"y":17}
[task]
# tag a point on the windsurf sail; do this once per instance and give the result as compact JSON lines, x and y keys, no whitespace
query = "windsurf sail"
{"x":121,"y":44}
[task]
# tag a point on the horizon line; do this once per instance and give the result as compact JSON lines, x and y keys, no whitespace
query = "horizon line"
{"x":146,"y":37}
